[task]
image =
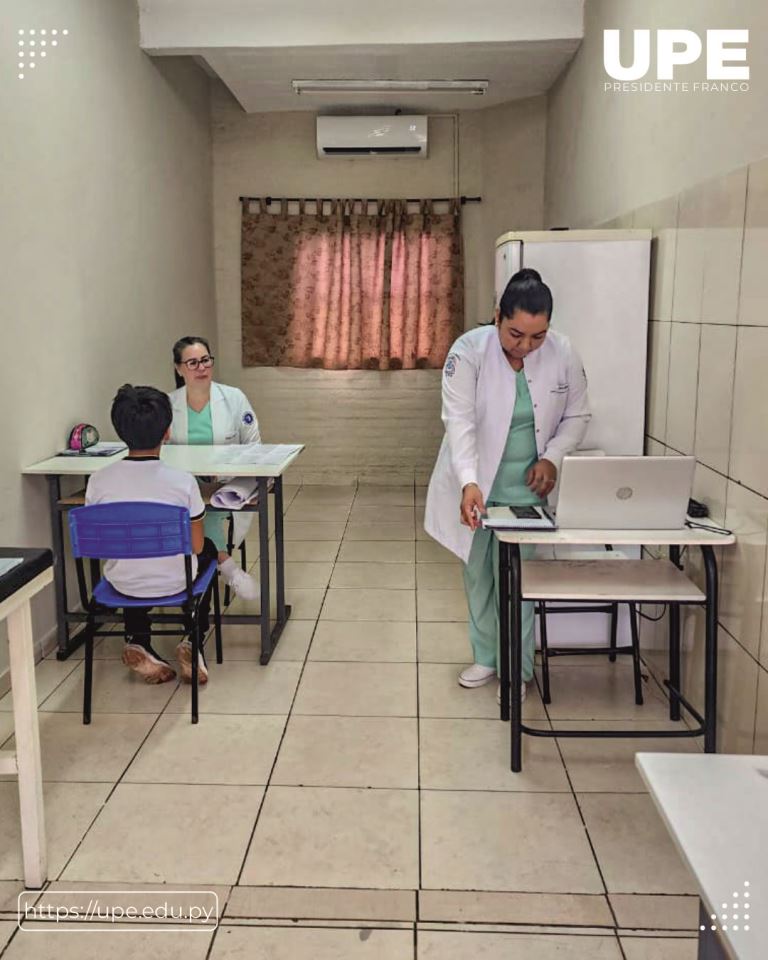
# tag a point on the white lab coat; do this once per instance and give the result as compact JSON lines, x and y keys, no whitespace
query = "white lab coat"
{"x":479,"y":393}
{"x":233,"y":421}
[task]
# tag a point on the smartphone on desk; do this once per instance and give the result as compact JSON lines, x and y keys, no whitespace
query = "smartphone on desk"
{"x":526,"y":513}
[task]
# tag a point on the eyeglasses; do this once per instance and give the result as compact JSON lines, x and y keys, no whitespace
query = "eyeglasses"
{"x":195,"y":362}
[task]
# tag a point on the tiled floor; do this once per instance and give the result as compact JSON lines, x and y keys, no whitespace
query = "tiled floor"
{"x":349,"y":799}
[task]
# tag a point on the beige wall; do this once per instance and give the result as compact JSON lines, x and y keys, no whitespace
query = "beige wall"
{"x":691,"y":169}
{"x":370,"y":425}
{"x":105,"y":237}
{"x":609,"y":152}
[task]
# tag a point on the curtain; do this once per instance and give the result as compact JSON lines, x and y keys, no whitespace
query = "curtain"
{"x":362,"y":286}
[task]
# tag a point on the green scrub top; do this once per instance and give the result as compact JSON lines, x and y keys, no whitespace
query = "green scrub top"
{"x":520,"y":452}
{"x":199,"y":426}
{"x":200,"y":433}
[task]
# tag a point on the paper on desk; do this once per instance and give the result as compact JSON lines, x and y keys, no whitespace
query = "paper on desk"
{"x":256,"y":453}
{"x":235,"y":494}
{"x":8,"y":563}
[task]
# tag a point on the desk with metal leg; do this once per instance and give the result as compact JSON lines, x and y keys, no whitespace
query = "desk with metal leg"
{"x":640,"y":581}
{"x":17,"y":588}
{"x":716,"y":811}
{"x":201,"y":461}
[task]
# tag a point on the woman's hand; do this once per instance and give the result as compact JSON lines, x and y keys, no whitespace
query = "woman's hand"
{"x":541,"y":478}
{"x":472,"y":505}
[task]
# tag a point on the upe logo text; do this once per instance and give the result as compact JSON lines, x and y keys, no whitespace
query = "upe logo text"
{"x":676,"y":48}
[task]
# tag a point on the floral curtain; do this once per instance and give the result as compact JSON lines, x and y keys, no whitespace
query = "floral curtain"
{"x":358,"y":286}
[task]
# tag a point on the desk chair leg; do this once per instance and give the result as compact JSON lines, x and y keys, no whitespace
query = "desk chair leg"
{"x":264,"y":609}
{"x":674,"y":645}
{"x":614,"y":631}
{"x":88,"y":675}
{"x":674,"y":660}
{"x":544,"y":652}
{"x":59,"y":568}
{"x":196,"y":641}
{"x":230,"y":548}
{"x":514,"y":592}
{"x":217,"y":618}
{"x":710,"y":655}
{"x":636,"y":653}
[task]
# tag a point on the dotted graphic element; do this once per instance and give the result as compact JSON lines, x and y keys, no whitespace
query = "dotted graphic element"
{"x":23,"y":62}
{"x":724,"y":917}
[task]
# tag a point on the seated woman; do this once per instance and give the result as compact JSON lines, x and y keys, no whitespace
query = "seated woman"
{"x":206,"y":412}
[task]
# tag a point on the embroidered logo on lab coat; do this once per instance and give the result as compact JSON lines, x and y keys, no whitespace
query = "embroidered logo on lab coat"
{"x":248,"y":418}
{"x":450,"y":364}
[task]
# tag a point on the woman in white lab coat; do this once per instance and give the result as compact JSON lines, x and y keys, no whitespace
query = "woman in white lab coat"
{"x":205,"y":412}
{"x":514,"y":403}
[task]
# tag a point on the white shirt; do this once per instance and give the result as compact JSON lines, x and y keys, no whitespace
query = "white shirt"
{"x":479,"y":391}
{"x":147,"y":479}
{"x":232,"y":416}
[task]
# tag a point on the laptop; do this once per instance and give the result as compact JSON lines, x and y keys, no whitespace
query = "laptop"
{"x":624,"y":493}
{"x":609,"y":493}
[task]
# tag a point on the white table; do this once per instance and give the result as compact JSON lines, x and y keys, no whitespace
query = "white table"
{"x":16,"y":591}
{"x":716,"y":810}
{"x":201,"y":461}
{"x":611,"y":580}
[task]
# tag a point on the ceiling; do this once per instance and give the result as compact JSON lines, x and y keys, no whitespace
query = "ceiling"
{"x":257,"y":47}
{"x":260,"y":79}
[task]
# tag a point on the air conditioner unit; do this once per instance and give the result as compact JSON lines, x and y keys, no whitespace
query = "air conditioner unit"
{"x":372,"y":136}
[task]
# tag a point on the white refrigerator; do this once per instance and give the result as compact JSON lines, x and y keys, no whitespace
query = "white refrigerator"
{"x":600,"y":287}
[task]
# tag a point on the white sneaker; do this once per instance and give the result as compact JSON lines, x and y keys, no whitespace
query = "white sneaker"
{"x":238,"y":580}
{"x":476,"y":676}
{"x":145,"y":661}
{"x":184,"y":658}
{"x":522,"y":693}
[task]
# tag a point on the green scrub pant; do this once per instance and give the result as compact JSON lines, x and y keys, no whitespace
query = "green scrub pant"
{"x":216,"y":526}
{"x":481,"y":583}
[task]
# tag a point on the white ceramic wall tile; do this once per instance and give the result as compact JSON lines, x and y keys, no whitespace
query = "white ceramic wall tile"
{"x":742,"y":599}
{"x":661,"y":218}
{"x":659,"y":335}
{"x":710,"y":488}
{"x":749,"y":438}
{"x":761,"y":715}
{"x":652,"y":448}
{"x":683,"y":378}
{"x":754,"y":276}
{"x":717,"y":359}
{"x":689,"y":269}
{"x":723,"y":240}
{"x":709,"y":239}
{"x":737,"y":674}
{"x":664,"y":247}
{"x":762,"y":653}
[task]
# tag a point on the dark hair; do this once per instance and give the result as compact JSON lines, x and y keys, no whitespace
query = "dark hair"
{"x":141,"y":415}
{"x":526,"y":291}
{"x":178,"y":349}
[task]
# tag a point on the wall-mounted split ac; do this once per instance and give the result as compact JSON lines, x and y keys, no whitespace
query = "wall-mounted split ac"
{"x":372,"y":136}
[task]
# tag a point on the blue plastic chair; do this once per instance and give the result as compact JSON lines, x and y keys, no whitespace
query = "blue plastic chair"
{"x":140,"y":530}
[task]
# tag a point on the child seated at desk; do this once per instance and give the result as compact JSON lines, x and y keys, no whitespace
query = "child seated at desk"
{"x":142,"y":418}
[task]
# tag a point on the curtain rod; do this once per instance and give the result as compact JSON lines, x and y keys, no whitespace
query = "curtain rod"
{"x":360,"y":199}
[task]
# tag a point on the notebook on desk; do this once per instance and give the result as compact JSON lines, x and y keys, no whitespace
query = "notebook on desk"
{"x":101,"y":449}
{"x":529,"y":517}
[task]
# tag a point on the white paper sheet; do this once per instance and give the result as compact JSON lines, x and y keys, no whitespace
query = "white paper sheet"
{"x":235,"y":494}
{"x":257,"y":453}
